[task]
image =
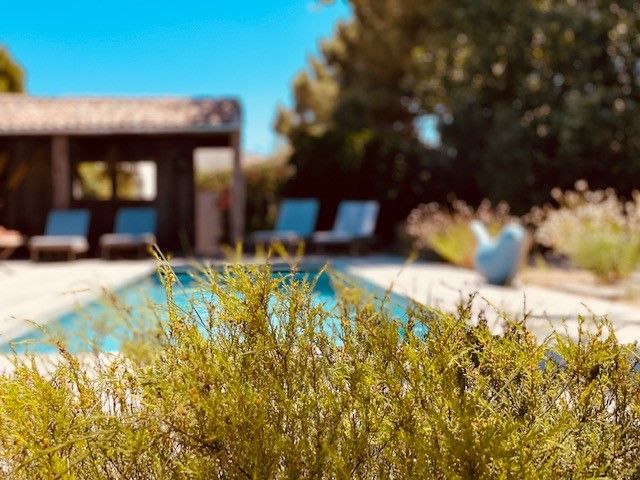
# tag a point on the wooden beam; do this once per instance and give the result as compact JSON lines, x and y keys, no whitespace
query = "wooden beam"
{"x":60,"y":172}
{"x":238,"y":192}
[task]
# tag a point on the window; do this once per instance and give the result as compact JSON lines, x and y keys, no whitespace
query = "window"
{"x":136,"y":180}
{"x":131,"y":180}
{"x":92,"y":181}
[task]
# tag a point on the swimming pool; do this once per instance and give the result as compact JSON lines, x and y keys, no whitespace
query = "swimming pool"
{"x":135,"y":310}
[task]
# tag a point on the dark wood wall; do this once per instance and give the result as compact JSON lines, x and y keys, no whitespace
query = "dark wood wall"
{"x":26,"y":207}
{"x":25,"y":183}
{"x":175,"y":183}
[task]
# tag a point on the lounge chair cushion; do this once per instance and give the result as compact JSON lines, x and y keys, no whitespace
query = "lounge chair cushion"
{"x":11,"y":240}
{"x":75,"y":243}
{"x":357,"y":218}
{"x":127,"y":239}
{"x":137,"y":220}
{"x":331,"y":236}
{"x":355,"y":221}
{"x":267,"y":236}
{"x":68,"y":223}
{"x":296,"y":221}
{"x":297,"y":216}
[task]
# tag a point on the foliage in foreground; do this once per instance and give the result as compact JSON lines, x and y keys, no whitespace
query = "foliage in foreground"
{"x":256,"y":385}
{"x":595,"y":229}
{"x":448,"y":232}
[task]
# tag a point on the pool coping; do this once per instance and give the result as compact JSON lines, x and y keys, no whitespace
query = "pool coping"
{"x":77,"y":299}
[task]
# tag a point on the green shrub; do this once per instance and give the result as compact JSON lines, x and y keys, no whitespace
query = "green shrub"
{"x":259,"y":382}
{"x":446,"y":230}
{"x":594,"y":229}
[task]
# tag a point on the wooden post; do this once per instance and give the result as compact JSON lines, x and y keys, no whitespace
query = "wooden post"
{"x":209,"y":224}
{"x":60,"y":172}
{"x":238,"y":192}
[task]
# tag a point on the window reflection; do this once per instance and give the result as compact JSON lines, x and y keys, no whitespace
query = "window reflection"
{"x":136,"y":180}
{"x":133,"y":180}
{"x":92,"y":181}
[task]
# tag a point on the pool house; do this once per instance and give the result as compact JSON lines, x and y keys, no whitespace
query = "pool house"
{"x":104,"y":153}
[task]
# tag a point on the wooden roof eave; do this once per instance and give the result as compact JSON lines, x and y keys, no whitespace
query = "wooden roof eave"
{"x":228,"y":128}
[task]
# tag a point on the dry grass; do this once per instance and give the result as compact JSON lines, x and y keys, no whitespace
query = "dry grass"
{"x":596,"y":230}
{"x":581,"y":282}
{"x":446,"y":231}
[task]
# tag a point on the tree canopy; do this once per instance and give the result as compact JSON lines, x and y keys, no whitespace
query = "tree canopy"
{"x":528,"y":95}
{"x":535,"y":94}
{"x":352,"y":129}
{"x":11,"y":75}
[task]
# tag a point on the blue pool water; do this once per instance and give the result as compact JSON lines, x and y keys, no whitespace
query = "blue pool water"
{"x":140,"y":308}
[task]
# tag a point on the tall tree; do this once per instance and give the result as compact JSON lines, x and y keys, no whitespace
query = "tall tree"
{"x":352,"y":126}
{"x":534,"y":94}
{"x":528,"y":95}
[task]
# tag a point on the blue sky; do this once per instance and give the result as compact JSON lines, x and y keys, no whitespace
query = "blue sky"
{"x":251,"y":49}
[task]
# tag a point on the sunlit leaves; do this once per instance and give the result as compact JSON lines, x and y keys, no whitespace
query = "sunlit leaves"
{"x":272,"y":385}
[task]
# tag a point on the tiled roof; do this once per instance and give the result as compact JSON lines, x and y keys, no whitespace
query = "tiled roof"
{"x":27,"y":115}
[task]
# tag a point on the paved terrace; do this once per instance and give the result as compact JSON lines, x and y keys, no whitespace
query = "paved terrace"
{"x":445,"y":286}
{"x":40,"y":292}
